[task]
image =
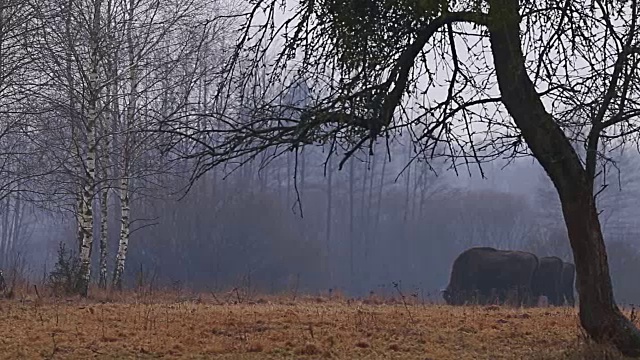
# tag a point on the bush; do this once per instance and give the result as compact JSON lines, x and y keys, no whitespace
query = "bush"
{"x":65,"y":277}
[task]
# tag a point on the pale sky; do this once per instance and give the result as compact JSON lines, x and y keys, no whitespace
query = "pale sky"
{"x":440,"y":92}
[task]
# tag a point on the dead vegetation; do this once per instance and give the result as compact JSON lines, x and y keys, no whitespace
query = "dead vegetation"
{"x":226,"y":326}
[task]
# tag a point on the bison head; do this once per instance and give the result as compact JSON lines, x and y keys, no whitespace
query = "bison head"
{"x":450,"y":296}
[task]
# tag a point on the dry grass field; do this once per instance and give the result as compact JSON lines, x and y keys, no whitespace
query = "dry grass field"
{"x":203,"y":327}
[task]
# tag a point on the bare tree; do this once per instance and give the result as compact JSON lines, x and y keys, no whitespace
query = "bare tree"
{"x":71,"y":41}
{"x":163,"y":49}
{"x":24,"y":161}
{"x":110,"y":72}
{"x":378,"y":56}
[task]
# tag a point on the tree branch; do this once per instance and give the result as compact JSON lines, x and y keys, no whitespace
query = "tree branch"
{"x":400,"y":73}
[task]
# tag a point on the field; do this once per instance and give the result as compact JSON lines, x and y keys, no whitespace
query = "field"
{"x":204,"y":327}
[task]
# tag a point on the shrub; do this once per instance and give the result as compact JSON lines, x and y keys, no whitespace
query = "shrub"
{"x":65,"y":277}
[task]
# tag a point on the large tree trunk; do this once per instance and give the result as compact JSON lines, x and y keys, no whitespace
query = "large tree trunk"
{"x":599,"y":314}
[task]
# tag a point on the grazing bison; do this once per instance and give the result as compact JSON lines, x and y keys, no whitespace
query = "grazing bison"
{"x":548,"y":280}
{"x":479,"y":272}
{"x":566,"y":284}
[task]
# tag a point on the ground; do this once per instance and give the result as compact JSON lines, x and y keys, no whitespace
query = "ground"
{"x":212,"y":327}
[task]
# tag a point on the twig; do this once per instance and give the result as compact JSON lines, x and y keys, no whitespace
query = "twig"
{"x":404,"y":302}
{"x":237,"y":295}
{"x":55,"y":347}
{"x":216,"y":298}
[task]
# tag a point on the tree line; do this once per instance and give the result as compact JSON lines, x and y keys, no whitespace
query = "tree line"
{"x":85,"y":86}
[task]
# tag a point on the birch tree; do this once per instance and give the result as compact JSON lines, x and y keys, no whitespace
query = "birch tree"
{"x":164,"y":48}
{"x":94,"y":92}
{"x":132,"y":62}
{"x":71,"y":44}
{"x":112,"y":70}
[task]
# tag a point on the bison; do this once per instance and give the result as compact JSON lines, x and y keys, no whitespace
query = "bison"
{"x":566,"y":283}
{"x":480,"y":271}
{"x":548,"y":280}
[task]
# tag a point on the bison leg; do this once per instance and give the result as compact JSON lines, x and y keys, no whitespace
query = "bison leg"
{"x":523,"y":296}
{"x":571,"y":301}
{"x":559,"y":298}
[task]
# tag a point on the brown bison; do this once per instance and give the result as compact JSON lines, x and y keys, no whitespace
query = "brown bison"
{"x":481,"y":273}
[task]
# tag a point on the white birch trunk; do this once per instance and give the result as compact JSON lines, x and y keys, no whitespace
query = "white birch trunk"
{"x":123,"y":244}
{"x":115,"y":118}
{"x":75,"y":143}
{"x":90,"y":176}
{"x":112,"y":99}
{"x":86,"y":215}
{"x":79,"y":211}
{"x":104,"y":213}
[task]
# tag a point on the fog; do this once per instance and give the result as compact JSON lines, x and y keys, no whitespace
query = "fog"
{"x":294,"y":223}
{"x":374,"y":225}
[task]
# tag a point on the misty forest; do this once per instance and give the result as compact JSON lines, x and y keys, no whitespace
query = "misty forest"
{"x":319,"y":146}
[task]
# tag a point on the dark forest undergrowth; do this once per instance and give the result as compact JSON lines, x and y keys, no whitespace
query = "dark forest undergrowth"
{"x":236,"y":325}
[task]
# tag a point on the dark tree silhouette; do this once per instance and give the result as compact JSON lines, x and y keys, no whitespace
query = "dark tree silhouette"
{"x":489,"y":79}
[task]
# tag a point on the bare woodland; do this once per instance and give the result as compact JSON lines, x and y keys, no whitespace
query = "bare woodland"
{"x":320,"y":145}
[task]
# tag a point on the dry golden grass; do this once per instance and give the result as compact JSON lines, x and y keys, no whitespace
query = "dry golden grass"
{"x":131,"y":326}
